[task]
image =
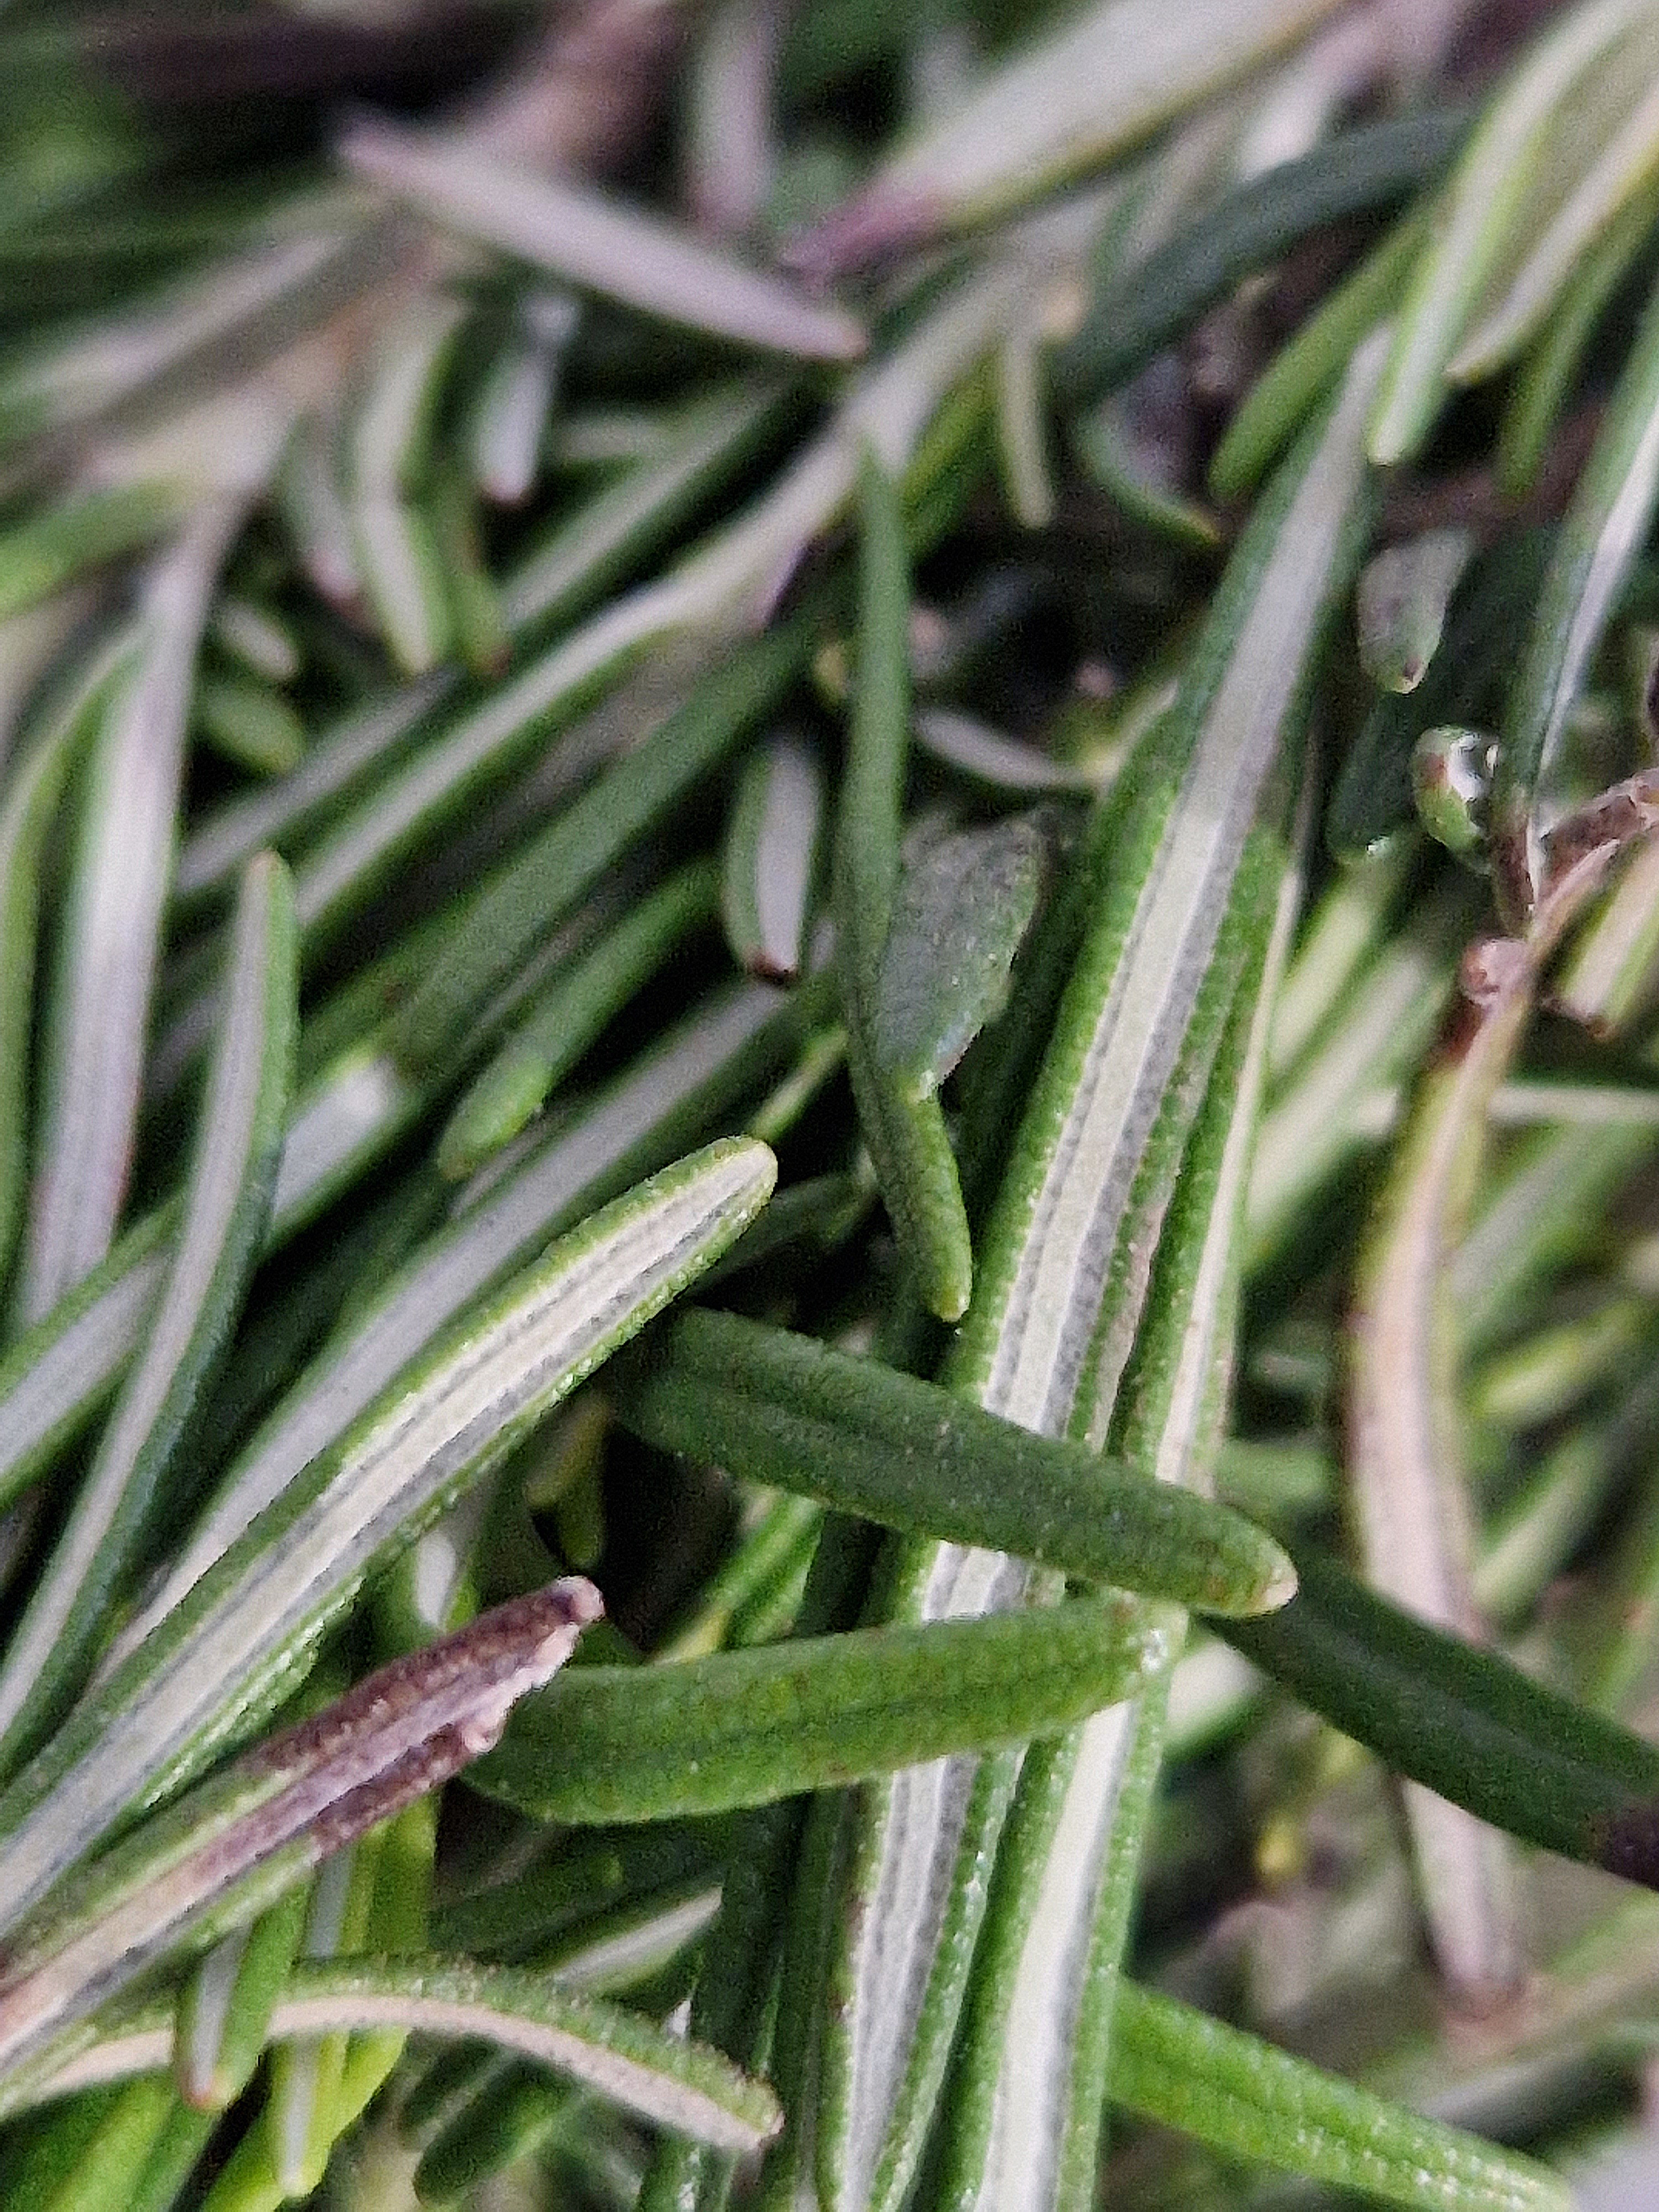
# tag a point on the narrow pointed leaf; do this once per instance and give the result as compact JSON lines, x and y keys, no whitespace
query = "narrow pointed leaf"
{"x":1621,"y":170}
{"x":514,"y":1085}
{"x":621,"y":2055}
{"x":507,"y":421}
{"x":1605,"y":528}
{"x":1068,"y":103}
{"x":1242,"y":2097}
{"x":40,"y":555}
{"x":225,"y":2007}
{"x":583,"y":238}
{"x":1462,"y":1721}
{"x":1153,"y":940}
{"x":1155,"y":300}
{"x":1022,"y":2125}
{"x":226,"y":1210}
{"x":523,"y":900}
{"x":988,"y":757}
{"x":1310,"y":360}
{"x":62,"y":1370}
{"x":609,"y":534}
{"x":668,"y":1100}
{"x":595,"y":547}
{"x":105,"y":961}
{"x":1313,"y":1127}
{"x":862,"y":1438}
{"x":770,"y":861}
{"x":1479,"y":203}
{"x":1410,"y":1498}
{"x":1400,"y":606}
{"x":725,"y":587}
{"x":249,"y":726}
{"x":397,"y":556}
{"x":745,"y":1727}
{"x":31,"y":805}
{"x":1544,"y":379}
{"x":904,"y":1126}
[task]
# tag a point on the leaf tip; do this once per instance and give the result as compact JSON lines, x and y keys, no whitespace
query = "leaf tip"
{"x":872,"y":226}
{"x":1281,"y":1585}
{"x":1627,"y":1843}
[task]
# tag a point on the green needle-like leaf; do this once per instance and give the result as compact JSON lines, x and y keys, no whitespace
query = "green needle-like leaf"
{"x":770,"y":860}
{"x":1622,"y":169}
{"x":518,"y":2111}
{"x":634,"y":1126}
{"x":226,"y":1210}
{"x":1066,"y":1255}
{"x":40,"y":555}
{"x":1068,"y":103}
{"x":1400,"y":606}
{"x":391,"y":439}
{"x":30,"y":805}
{"x":622,"y":2055}
{"x":872,"y":720}
{"x":1609,"y":519}
{"x":55,"y":1380}
{"x":1023,"y":2113}
{"x":250,"y":725}
{"x":511,"y":1089}
{"x":596,"y":547}
{"x":745,"y":1727}
{"x":1140,"y":312}
{"x":786,"y":1410}
{"x":106,"y":954}
{"x":513,"y":910}
{"x":1479,"y":206}
{"x":63,"y":1370}
{"x":585,"y":239}
{"x":1242,"y":2097}
{"x":1545,"y":378}
{"x":1462,"y":1720}
{"x":1309,"y":361}
{"x":903,"y":1125}
{"x":224,"y":2011}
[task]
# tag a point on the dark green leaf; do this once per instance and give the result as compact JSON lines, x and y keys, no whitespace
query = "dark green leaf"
{"x":1463,"y":1721}
{"x":787,"y":1411}
{"x":744,"y":1728}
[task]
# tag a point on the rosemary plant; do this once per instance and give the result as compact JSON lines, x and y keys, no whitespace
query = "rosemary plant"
{"x":828,"y":950}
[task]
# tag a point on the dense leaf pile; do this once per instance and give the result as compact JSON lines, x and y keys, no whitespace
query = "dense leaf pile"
{"x":826,"y":1105}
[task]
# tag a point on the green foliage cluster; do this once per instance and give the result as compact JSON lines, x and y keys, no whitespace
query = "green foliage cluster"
{"x":828,"y":934}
